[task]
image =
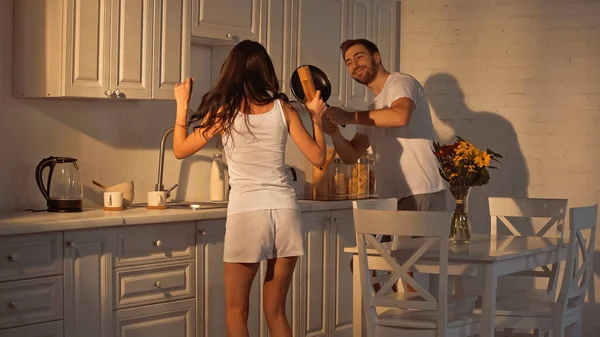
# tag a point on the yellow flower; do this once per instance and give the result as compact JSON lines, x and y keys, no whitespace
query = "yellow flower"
{"x":483,"y":159}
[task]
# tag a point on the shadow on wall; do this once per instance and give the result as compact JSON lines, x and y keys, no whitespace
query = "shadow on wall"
{"x":485,"y":130}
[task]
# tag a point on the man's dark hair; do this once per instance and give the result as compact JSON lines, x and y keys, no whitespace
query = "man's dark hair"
{"x":371,"y":47}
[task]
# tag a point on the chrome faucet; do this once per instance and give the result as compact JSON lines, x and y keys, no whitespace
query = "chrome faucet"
{"x":161,"y":163}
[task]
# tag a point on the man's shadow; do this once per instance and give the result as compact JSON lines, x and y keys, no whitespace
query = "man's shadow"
{"x":485,"y":130}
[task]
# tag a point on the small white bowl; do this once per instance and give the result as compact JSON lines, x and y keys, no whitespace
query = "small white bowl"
{"x":128,"y":192}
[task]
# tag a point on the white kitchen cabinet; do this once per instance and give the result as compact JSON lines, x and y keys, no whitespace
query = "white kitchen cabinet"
{"x":228,"y":20}
{"x":26,"y":302}
{"x":132,"y":49}
{"x":50,"y":329}
{"x":340,"y":296}
{"x":314,"y":266}
{"x":88,"y":282}
{"x":172,"y":46}
{"x":173,"y":319}
{"x":278,"y":35}
{"x":210,"y":297}
{"x":325,"y":279}
{"x":360,"y":24}
{"x":385,"y":32}
{"x":322,"y":27}
{"x":109,"y":284}
{"x":29,"y":256}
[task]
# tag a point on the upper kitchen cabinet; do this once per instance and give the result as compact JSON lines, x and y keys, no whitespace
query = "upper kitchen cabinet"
{"x":228,"y":20}
{"x":360,"y":26}
{"x":135,"y":49}
{"x":374,"y":20}
{"x":278,"y":35}
{"x":385,"y":32}
{"x":322,"y":27}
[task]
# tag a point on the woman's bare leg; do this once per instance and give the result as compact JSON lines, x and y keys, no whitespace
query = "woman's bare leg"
{"x":277,"y":283}
{"x":238,"y":281}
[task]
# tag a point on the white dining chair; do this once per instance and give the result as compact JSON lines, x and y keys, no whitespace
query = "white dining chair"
{"x":566,"y":311}
{"x":389,"y":204}
{"x":553,"y":211}
{"x":417,"y":313}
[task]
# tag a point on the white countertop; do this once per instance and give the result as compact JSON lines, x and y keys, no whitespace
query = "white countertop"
{"x":29,"y":223}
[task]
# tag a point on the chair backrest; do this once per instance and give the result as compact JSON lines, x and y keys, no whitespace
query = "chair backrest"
{"x":389,"y":204}
{"x":553,"y":209}
{"x":433,"y":228}
{"x":577,"y":276}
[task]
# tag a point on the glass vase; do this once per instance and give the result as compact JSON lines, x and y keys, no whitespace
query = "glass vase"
{"x":460,"y":227}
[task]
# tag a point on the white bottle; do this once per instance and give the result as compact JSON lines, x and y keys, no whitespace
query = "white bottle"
{"x":217,"y":178}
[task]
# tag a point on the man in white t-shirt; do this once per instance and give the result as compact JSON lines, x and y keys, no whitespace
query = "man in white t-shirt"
{"x":399,"y":130}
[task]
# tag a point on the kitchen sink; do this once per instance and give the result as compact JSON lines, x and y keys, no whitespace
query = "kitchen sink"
{"x":196,"y":205}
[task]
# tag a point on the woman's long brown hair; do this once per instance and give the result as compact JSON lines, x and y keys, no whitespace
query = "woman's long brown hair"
{"x":247,"y":76}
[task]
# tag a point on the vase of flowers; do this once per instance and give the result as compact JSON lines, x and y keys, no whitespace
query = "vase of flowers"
{"x":463,"y":166}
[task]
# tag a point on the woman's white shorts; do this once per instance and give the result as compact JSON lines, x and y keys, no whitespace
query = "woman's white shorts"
{"x":264,"y":234}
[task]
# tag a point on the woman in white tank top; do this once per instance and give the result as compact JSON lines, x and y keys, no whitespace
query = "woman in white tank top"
{"x":263,"y":218}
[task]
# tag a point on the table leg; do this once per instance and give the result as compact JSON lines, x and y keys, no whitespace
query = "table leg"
{"x":488,"y":308}
{"x":357,"y":310}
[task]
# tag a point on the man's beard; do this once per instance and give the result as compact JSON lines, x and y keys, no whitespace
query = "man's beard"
{"x":367,"y":75}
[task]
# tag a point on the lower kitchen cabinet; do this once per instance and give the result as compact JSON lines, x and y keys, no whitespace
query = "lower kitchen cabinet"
{"x":153,"y":280}
{"x":88,"y":280}
{"x":173,"y":319}
{"x":210,"y":298}
{"x":50,"y":329}
{"x":326,"y":279}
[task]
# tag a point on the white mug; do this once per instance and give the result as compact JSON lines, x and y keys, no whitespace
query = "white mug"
{"x":157,"y":198}
{"x":113,"y":199}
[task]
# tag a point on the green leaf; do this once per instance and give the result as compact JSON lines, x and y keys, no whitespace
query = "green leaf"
{"x":495,"y":154}
{"x":483,"y":178}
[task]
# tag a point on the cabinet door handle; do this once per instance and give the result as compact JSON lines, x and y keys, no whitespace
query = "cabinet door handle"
{"x":13,"y":257}
{"x":334,"y":219}
{"x":108,"y":93}
{"x":70,"y":243}
{"x":157,"y":284}
{"x":118,"y":93}
{"x":202,"y":232}
{"x":228,"y":35}
{"x":157,"y":243}
{"x":12,"y":304}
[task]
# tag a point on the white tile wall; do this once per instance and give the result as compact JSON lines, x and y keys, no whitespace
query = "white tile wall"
{"x":520,"y":77}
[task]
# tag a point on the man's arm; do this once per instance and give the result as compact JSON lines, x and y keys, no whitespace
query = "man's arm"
{"x":348,"y":150}
{"x":399,"y":114}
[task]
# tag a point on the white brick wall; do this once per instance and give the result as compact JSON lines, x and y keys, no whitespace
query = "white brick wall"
{"x":521,"y":77}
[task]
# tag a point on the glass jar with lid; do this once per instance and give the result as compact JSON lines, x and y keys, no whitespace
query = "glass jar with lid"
{"x":339,"y":177}
{"x":360,"y":178}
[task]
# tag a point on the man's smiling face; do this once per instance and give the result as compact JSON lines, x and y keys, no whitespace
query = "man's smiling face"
{"x":362,"y":66}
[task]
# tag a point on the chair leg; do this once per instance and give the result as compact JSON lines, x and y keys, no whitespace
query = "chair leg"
{"x":558,"y":330}
{"x":576,"y":329}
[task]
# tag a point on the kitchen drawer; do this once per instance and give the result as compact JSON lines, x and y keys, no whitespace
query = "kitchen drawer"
{"x":156,"y":243}
{"x":173,"y":319}
{"x":157,"y":283}
{"x":31,"y":301}
{"x":28,"y":256}
{"x":50,"y":329}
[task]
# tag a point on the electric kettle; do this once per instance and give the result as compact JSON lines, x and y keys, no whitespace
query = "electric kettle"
{"x":63,"y":189}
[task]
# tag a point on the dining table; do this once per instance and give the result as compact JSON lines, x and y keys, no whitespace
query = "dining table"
{"x":485,"y":257}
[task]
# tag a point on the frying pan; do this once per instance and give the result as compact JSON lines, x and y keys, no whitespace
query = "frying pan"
{"x":320,"y":80}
